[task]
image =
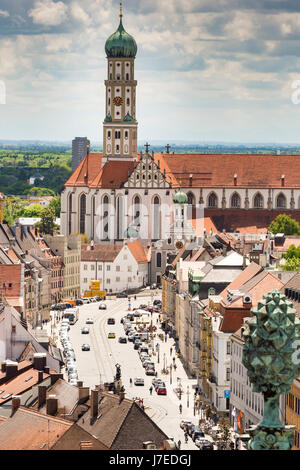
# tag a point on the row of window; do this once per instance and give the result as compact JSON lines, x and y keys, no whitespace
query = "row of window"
{"x":92,"y":267}
{"x":236,"y":201}
{"x":293,"y":402}
{"x":118,"y":279}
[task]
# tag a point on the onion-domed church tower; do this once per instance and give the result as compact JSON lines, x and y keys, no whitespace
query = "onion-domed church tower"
{"x":120,"y":125}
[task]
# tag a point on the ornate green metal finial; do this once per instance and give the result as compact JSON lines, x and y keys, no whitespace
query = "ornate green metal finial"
{"x":121,"y":14}
{"x":270,"y":357}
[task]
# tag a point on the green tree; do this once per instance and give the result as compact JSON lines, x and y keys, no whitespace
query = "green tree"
{"x":47,"y":223}
{"x":55,"y":204}
{"x":291,"y":264}
{"x":34,"y":210}
{"x":36,"y":191}
{"x":284,"y":224}
{"x":292,"y":252}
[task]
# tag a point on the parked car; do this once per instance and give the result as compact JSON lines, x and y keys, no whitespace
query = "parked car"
{"x":143,"y":350}
{"x":73,"y":375}
{"x":201,"y":441}
{"x":111,"y":321}
{"x":122,"y":339}
{"x":85,"y":347}
{"x":79,"y":302}
{"x":89,"y":321}
{"x":157,"y":302}
{"x":111,"y":335}
{"x":153,"y":286}
{"x":150,"y":371}
{"x":139,"y":381}
{"x":121,"y":295}
{"x":197,"y":433}
{"x":102,"y":306}
{"x":143,"y":306}
{"x":137,"y":345}
{"x":85,"y":330}
{"x":190,"y":429}
{"x":206,"y":446}
{"x":85,"y":300}
{"x":161,"y":391}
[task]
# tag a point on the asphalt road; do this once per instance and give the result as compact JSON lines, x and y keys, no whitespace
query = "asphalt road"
{"x":98,"y":365}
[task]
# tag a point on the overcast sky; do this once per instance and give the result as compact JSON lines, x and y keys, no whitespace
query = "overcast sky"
{"x":218,"y":70}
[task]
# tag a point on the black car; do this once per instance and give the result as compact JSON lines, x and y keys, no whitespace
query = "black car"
{"x":157,"y":302}
{"x":197,"y":433}
{"x":111,"y":321}
{"x":121,"y":295}
{"x":122,"y":339}
{"x":137,"y":345}
{"x":79,"y":302}
{"x":207,"y":446}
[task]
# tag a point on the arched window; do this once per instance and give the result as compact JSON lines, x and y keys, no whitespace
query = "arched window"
{"x":258,"y":202}
{"x":191,"y":199}
{"x":82,"y":212}
{"x":120,"y":218}
{"x":235,"y":201}
{"x":70,"y":214}
{"x":212,"y":200}
{"x":93,"y":211}
{"x":136,"y":211}
{"x":158,"y":260}
{"x":127,"y":76}
{"x":156,"y":223}
{"x":281,"y":201}
{"x":105,"y":218}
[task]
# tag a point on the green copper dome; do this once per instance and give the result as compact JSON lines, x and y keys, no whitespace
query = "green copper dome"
{"x":180,"y":197}
{"x":120,"y":44}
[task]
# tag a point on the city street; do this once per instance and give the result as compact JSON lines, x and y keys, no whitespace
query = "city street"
{"x":98,"y":365}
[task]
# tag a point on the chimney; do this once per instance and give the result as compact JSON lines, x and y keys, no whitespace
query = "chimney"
{"x":40,"y":376}
{"x":79,"y":383}
{"x":42,"y":395}
{"x":15,"y":404}
{"x":47,"y":370}
{"x":55,"y":377}
{"x":3,"y":366}
{"x":83,"y":393}
{"x":39,"y":361}
{"x":11,"y":369}
{"x":51,"y":405}
{"x":94,"y":404}
{"x":121,"y":396}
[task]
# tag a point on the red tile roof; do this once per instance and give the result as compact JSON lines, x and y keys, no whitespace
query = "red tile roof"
{"x":30,"y":430}
{"x":101,"y":252}
{"x":249,"y":272}
{"x":20,"y":384}
{"x":138,"y":251}
{"x":206,"y":170}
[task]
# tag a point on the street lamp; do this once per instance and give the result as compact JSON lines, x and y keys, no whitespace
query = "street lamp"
{"x":187,"y":394}
{"x":157,"y":347}
{"x":170,"y":374}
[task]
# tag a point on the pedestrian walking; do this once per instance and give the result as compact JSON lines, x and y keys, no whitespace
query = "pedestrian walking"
{"x":130,"y":381}
{"x":166,"y":338}
{"x":151,"y":388}
{"x":180,"y":408}
{"x":175,"y":367}
{"x":173,"y":360}
{"x":171,"y":350}
{"x":179,"y":444}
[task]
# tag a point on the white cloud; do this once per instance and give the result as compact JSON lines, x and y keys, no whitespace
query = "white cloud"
{"x":79,"y":14}
{"x":48,"y":13}
{"x":4,"y":13}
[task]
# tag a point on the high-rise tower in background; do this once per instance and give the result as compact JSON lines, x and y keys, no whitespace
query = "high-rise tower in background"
{"x":79,"y":150}
{"x":120,"y":125}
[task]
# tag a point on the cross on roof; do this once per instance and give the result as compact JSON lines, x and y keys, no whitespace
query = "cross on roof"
{"x":147,"y":147}
{"x":168,"y":148}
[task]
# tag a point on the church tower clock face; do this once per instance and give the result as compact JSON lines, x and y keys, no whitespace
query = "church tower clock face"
{"x":118,"y":101}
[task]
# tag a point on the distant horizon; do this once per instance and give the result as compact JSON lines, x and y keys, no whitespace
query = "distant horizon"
{"x":154,"y":142}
